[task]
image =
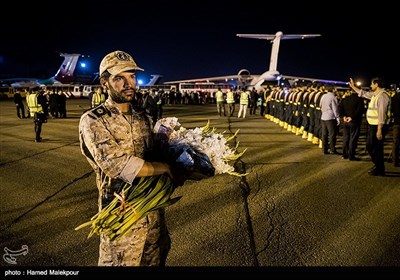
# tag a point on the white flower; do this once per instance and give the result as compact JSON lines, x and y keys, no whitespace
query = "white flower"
{"x":202,"y":140}
{"x":154,"y":192}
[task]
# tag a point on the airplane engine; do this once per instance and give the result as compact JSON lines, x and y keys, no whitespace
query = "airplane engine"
{"x":244,"y":77}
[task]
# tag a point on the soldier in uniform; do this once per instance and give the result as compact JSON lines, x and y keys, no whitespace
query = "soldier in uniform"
{"x":116,"y":138}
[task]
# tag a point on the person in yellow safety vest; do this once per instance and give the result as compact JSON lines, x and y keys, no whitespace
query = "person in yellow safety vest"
{"x":244,"y":102}
{"x":230,"y":99}
{"x":35,"y":105}
{"x":378,"y":118}
{"x":98,"y":98}
{"x":219,"y":95}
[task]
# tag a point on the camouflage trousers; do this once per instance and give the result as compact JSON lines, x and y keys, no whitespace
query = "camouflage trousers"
{"x":147,"y":244}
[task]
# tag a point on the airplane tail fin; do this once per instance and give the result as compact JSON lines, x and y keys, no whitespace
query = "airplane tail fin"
{"x":154,"y":80}
{"x":276,"y":38}
{"x":65,"y":73}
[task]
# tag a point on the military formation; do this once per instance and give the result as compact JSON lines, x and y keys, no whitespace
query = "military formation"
{"x":298,"y":110}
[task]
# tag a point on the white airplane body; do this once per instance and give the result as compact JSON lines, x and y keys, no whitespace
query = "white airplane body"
{"x":246,"y":79}
{"x":64,"y":74}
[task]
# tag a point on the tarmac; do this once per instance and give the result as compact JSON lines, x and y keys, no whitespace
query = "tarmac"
{"x":297,"y":208}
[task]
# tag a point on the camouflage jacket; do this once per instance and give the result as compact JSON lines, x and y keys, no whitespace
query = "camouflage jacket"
{"x":115,"y":145}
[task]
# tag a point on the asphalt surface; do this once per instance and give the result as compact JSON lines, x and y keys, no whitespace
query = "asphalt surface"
{"x":296,"y":208}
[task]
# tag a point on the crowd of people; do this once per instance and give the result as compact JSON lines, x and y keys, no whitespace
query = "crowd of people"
{"x":299,"y":109}
{"x":318,"y":114}
{"x":39,"y":104}
{"x":314,"y":113}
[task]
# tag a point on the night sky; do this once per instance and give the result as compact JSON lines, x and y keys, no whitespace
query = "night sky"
{"x":198,"y":39}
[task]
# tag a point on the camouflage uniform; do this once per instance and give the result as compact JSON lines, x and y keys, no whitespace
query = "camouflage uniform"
{"x":116,"y":147}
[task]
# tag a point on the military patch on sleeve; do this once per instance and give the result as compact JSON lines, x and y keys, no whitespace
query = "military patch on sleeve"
{"x":99,"y":111}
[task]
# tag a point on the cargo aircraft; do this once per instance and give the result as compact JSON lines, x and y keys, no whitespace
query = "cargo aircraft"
{"x":245,"y":79}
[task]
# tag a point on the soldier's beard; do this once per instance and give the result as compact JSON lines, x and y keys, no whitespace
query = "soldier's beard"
{"x":119,"y":97}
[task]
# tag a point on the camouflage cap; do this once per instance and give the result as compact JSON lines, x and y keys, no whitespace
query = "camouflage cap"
{"x":117,"y":62}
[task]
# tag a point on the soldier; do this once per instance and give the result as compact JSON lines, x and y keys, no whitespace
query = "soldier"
{"x":116,"y":138}
{"x":311,"y":114}
{"x":298,"y":120}
{"x":317,"y":138}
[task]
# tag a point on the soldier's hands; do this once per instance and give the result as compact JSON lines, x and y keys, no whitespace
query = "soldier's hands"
{"x":177,"y":177}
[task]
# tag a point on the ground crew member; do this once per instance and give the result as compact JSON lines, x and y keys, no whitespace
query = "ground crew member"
{"x":244,"y":102}
{"x":219,"y":95}
{"x":378,"y":118}
{"x":37,"y":113}
{"x":230,"y":99}
{"x":98,"y":98}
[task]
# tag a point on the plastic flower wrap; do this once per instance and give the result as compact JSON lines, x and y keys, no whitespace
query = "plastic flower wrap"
{"x":199,"y":153}
{"x":202,"y":152}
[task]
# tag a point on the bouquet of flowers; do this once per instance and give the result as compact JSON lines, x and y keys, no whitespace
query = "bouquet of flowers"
{"x":198,"y":153}
{"x":202,"y":152}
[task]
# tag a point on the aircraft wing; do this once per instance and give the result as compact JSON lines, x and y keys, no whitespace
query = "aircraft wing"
{"x":218,"y":78}
{"x":20,"y":82}
{"x":278,"y":34}
{"x":324,"y":81}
